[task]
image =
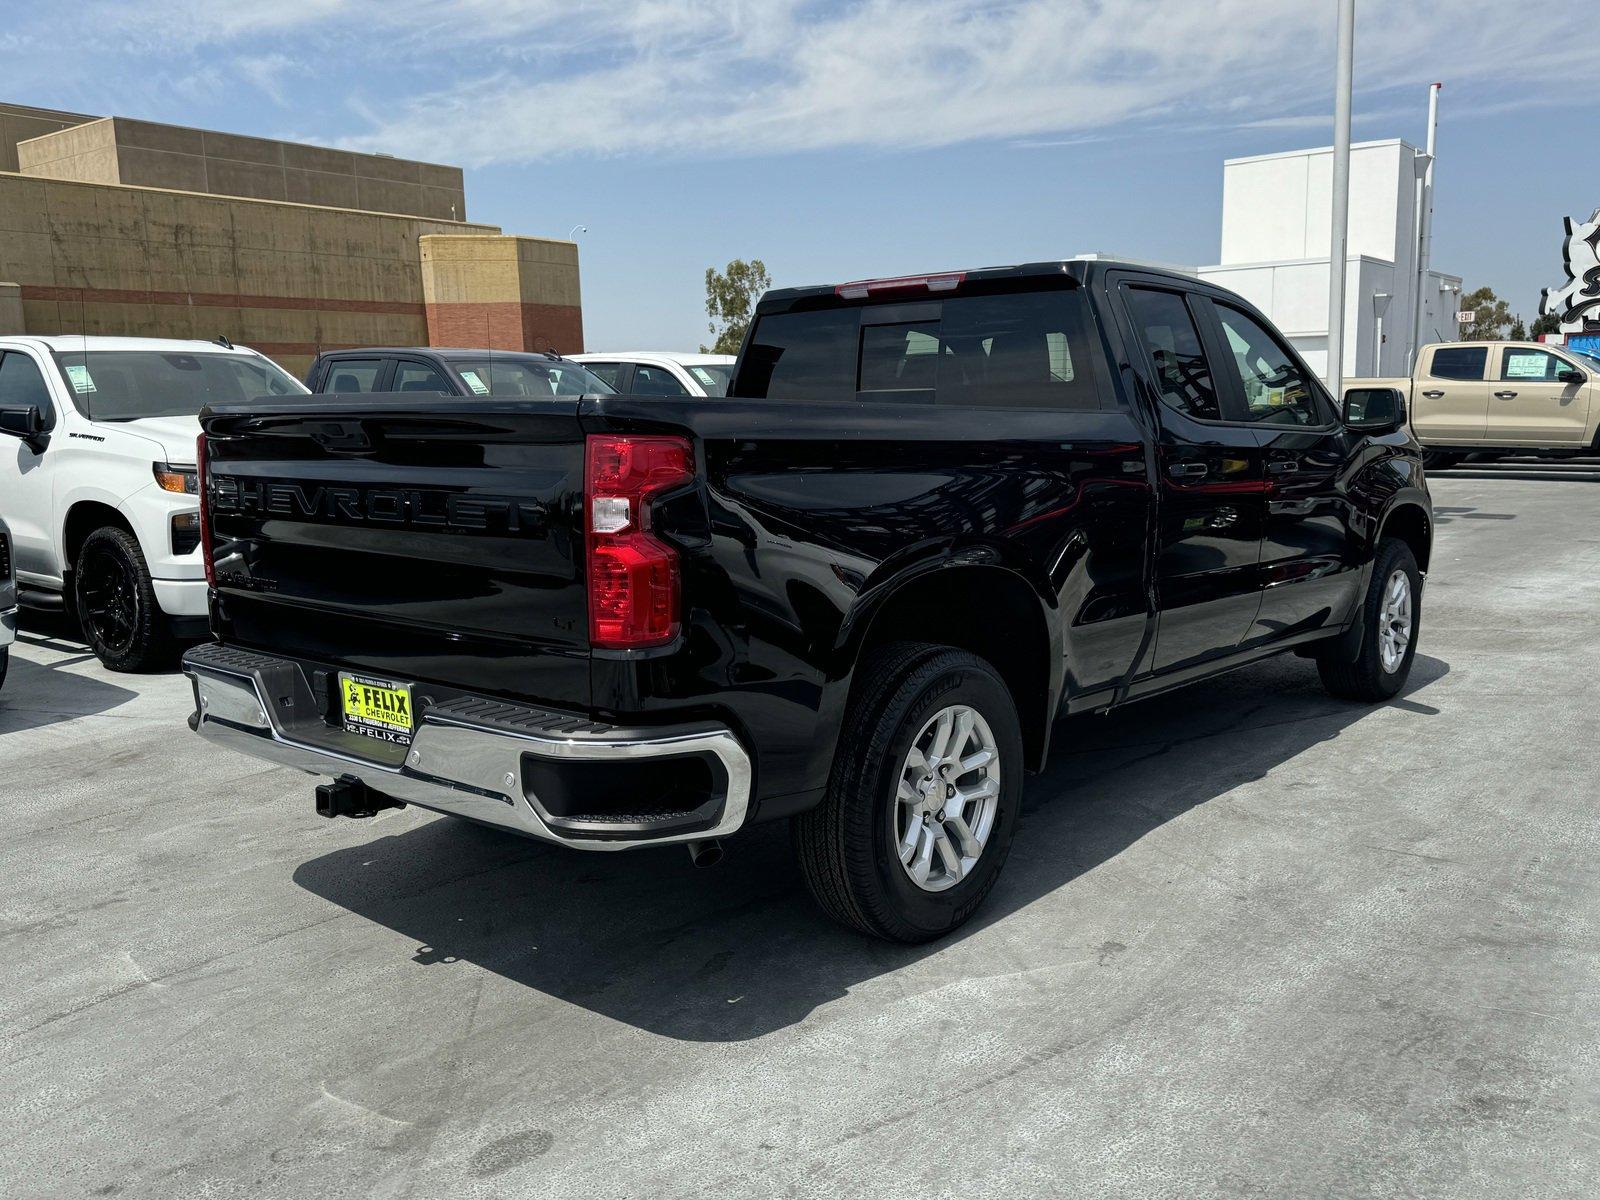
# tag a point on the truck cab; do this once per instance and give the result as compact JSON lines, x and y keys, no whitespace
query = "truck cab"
{"x":1497,"y":397}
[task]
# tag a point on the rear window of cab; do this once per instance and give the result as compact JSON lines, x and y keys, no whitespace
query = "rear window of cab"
{"x":1017,"y":350}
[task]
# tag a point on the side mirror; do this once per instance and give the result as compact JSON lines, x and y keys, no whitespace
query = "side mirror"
{"x":24,"y":422}
{"x":1571,"y":376}
{"x":1374,"y":410}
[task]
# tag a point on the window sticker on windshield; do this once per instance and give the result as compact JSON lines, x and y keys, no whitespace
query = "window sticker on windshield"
{"x":82,"y":381}
{"x":1525,"y":366}
{"x":478,"y":386}
{"x":704,"y":376}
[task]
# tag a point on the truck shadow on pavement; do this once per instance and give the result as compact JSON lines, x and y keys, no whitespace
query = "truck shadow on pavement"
{"x":37,"y":694}
{"x":738,"y":951}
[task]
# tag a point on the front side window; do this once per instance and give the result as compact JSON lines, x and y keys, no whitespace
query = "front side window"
{"x":353,"y":375}
{"x":1167,"y":329}
{"x":1011,"y":350}
{"x":21,"y":383}
{"x":1532,"y":366}
{"x":1458,"y":362}
{"x":713,"y":378}
{"x":1277,"y":390}
{"x":413,"y":376}
{"x":128,"y":385}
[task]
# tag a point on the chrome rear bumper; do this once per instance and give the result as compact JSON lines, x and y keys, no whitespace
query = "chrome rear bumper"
{"x":467,"y":757}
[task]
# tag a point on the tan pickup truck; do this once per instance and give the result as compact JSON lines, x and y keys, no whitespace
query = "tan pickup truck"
{"x":1499,"y":397}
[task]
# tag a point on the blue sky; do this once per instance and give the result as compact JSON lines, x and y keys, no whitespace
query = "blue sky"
{"x":838,"y":139}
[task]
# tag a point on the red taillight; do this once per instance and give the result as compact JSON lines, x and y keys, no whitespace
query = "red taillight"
{"x":633,"y":578}
{"x":206,"y":555}
{"x":860,"y":289}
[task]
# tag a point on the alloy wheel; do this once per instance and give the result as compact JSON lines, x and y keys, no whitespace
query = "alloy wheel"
{"x":1394,"y":621}
{"x":946,"y":798}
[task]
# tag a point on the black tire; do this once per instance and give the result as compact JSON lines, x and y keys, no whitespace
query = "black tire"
{"x":1366,"y":677}
{"x":5,"y":664}
{"x":1439,"y":460}
{"x":846,"y":846}
{"x":116,"y":603}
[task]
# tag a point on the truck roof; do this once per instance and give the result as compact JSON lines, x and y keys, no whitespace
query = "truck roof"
{"x":449,"y":353}
{"x":1076,"y":270}
{"x":67,"y":343}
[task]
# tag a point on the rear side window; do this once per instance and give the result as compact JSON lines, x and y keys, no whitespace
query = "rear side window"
{"x":353,"y":375}
{"x":1021,"y":350}
{"x":656,"y":381}
{"x":610,"y":372}
{"x":1459,"y":362}
{"x":1167,"y":328}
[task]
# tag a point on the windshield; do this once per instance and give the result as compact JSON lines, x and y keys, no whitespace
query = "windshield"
{"x":509,"y":377}
{"x":1585,"y":358}
{"x":126,"y":385}
{"x":713,"y":377}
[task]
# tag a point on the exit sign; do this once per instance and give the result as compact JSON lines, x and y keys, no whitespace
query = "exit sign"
{"x":1466,"y":316}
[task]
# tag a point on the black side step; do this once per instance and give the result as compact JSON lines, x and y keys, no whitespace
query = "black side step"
{"x":38,"y":598}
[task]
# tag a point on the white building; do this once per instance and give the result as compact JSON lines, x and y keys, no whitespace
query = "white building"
{"x":1277,"y":213}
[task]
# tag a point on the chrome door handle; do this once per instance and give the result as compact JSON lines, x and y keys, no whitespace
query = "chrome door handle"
{"x":1505,"y":395}
{"x":1187,"y":470}
{"x":1433,"y":395}
{"x":1282,"y":466}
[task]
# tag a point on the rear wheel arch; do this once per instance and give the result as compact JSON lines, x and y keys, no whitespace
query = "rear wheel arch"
{"x":990,"y":611}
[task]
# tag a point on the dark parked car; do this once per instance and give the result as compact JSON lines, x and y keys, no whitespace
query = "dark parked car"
{"x":451,"y":372}
{"x":934,"y":515}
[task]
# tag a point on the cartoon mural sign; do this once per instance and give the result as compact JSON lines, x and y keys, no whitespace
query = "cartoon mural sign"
{"x":1576,"y":304}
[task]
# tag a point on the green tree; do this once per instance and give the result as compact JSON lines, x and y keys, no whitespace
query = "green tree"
{"x":1518,"y":331}
{"x":1491,"y":316}
{"x":1545,"y":323}
{"x":731,"y":294}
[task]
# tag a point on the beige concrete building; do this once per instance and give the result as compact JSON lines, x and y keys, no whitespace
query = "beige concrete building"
{"x":112,"y":226}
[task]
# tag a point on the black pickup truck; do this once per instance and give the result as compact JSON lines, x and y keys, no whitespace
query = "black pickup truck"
{"x":934,"y":515}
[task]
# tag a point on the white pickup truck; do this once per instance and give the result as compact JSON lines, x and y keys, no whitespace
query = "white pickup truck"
{"x":97,"y":479}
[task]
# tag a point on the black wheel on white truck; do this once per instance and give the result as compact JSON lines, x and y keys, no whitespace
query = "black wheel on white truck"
{"x":116,"y":602}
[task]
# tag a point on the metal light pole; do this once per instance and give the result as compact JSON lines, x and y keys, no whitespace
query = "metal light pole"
{"x":576,"y":230}
{"x":1425,"y":223}
{"x":1343,"y":84}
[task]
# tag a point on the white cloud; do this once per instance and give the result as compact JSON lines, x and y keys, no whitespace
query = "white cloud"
{"x":481,"y":81}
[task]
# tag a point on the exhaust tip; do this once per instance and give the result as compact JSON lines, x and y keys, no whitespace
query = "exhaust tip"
{"x":707,"y":853}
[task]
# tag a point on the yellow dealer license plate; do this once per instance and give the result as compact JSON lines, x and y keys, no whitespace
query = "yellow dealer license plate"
{"x":376,"y":708}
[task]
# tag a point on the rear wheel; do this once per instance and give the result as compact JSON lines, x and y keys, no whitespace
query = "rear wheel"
{"x":1392,"y":619}
{"x":116,"y":602}
{"x":923,"y":797}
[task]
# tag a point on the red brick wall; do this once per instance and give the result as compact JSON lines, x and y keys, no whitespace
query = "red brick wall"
{"x":507,"y":325}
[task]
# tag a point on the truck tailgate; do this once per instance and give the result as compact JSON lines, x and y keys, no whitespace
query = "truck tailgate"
{"x":426,"y":538}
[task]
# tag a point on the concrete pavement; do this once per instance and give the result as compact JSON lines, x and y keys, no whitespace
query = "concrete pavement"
{"x":1251,"y":941}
